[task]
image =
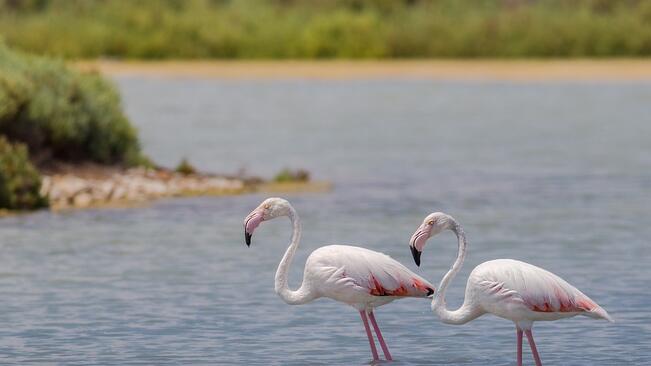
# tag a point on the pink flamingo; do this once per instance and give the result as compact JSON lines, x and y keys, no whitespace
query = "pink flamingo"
{"x":356,"y":276}
{"x":510,"y":289}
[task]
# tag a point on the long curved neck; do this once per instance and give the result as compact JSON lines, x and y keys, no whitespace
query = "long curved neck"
{"x":302,"y":295}
{"x":467,"y":311}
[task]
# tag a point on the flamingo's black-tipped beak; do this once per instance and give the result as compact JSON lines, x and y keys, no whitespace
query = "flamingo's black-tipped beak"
{"x":416,"y":253}
{"x":251,"y":222}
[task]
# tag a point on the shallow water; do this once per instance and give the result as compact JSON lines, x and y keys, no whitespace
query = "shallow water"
{"x":556,"y":174}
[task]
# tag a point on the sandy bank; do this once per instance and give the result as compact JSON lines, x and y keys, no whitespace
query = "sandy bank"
{"x":512,"y":70}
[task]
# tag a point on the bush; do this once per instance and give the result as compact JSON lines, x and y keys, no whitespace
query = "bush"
{"x":61,"y":114}
{"x":185,"y":167}
{"x":344,"y":35}
{"x":20,"y":182}
{"x":288,"y":175}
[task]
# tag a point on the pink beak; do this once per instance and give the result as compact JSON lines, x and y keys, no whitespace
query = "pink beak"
{"x":417,"y":242}
{"x":250,"y":223}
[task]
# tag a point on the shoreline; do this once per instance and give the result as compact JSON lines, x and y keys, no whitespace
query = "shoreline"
{"x":83,"y":187}
{"x":445,"y":70}
{"x":91,"y":193}
{"x":96,"y":187}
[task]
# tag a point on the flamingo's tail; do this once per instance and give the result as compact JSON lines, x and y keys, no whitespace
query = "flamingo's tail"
{"x":599,"y":313}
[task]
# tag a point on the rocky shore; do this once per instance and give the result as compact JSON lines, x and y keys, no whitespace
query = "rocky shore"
{"x":118,"y":187}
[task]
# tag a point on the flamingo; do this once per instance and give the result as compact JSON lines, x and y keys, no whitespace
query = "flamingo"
{"x":507,"y":288}
{"x":359,"y":277}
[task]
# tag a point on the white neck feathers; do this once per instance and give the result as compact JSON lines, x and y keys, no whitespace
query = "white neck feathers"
{"x":467,"y":311}
{"x":302,"y":295}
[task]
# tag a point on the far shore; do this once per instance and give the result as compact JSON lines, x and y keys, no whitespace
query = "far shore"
{"x":462,"y":70}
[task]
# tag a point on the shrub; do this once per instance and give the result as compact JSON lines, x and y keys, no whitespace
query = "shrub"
{"x":185,"y":167}
{"x":61,"y":114}
{"x":20,"y":182}
{"x":344,"y":35}
{"x":288,"y":175}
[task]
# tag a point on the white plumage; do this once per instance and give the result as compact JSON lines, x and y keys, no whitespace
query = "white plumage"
{"x":522,"y":292}
{"x":511,"y":289}
{"x":359,"y":277}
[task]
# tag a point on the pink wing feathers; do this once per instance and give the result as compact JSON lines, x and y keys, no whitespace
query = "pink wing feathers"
{"x":536,"y":288}
{"x":373,"y":272}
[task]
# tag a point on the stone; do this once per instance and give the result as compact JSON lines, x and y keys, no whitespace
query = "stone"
{"x":83,"y":199}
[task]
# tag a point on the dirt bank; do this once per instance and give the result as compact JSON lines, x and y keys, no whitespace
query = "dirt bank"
{"x":512,"y":70}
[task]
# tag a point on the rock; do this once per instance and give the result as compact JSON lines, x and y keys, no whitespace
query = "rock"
{"x":137,"y":184}
{"x":46,"y":185}
{"x":83,"y":199}
{"x":118,"y":193}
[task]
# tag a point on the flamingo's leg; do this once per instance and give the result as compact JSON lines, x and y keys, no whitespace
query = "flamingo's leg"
{"x":532,"y":344}
{"x":519,"y":335}
{"x":380,"y":339}
{"x":371,"y":342}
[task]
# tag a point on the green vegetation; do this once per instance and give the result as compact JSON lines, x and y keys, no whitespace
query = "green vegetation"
{"x":63,"y":115}
{"x":288,"y":175}
{"x":277,"y":29}
{"x":185,"y":167}
{"x":20,"y":182}
{"x":51,"y":114}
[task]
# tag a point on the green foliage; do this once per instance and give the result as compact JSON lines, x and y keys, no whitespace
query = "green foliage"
{"x":328,"y":29}
{"x":185,"y":167}
{"x":344,"y":35}
{"x":61,"y":114}
{"x":288,"y":175}
{"x":20,"y":182}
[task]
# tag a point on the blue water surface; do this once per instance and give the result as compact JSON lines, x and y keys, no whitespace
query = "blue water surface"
{"x":555,"y":174}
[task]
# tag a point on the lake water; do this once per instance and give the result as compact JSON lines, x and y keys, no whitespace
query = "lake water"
{"x":555,"y":174}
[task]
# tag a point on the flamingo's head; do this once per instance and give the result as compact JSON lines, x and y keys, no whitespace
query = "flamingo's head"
{"x":433,"y":224}
{"x":267,"y":210}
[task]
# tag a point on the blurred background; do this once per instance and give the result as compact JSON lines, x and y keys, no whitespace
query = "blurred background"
{"x":529,"y":121}
{"x":328,"y":28}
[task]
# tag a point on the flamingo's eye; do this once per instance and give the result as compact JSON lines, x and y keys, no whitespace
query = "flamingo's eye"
{"x":267,"y":206}
{"x":430,"y":222}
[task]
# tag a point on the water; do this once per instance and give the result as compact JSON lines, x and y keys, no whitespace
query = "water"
{"x":556,"y":174}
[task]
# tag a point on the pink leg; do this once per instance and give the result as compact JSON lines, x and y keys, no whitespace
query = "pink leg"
{"x":380,"y":339}
{"x":371,"y":342}
{"x":532,"y":344}
{"x":519,"y":333}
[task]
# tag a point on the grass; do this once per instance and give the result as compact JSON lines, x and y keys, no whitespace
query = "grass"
{"x":322,"y":29}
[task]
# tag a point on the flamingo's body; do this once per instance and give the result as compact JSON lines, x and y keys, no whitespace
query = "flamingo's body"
{"x":510,"y":289}
{"x":359,"y":277}
{"x":522,"y":292}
